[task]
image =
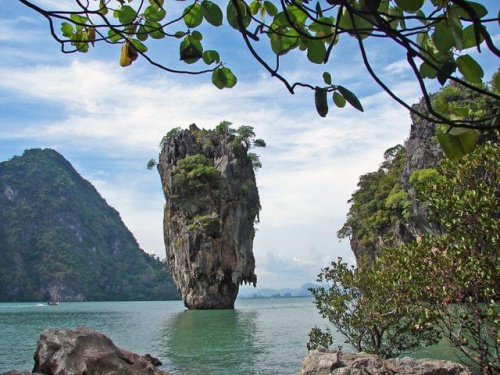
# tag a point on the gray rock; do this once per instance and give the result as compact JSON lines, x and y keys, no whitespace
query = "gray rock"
{"x":209,"y":222}
{"x":331,"y":362}
{"x":15,"y":372}
{"x":87,"y":352}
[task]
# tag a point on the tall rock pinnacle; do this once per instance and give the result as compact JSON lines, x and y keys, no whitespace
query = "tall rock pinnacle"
{"x":211,"y":206}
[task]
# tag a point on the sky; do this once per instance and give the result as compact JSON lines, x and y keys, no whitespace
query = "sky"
{"x":108,"y":121}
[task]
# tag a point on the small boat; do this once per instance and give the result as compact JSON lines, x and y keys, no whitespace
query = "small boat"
{"x":53,"y":303}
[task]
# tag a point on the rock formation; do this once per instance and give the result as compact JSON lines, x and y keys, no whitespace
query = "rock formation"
{"x":60,"y":240}
{"x":331,"y":362}
{"x":84,"y":351}
{"x":211,"y":206}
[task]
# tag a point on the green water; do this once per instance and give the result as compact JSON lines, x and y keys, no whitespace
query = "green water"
{"x":259,"y":337}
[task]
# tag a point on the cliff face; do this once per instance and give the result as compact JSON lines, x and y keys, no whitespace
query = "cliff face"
{"x":60,"y":240}
{"x":211,"y":206}
{"x":385,"y":210}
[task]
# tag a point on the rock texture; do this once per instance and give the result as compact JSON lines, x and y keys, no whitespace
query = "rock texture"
{"x":330,"y":362}
{"x":211,"y":206}
{"x":87,"y":352}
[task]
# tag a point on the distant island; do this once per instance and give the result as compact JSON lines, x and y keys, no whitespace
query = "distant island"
{"x":61,"y":241}
{"x":257,"y":293}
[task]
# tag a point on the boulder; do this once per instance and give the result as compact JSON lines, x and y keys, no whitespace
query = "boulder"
{"x":86,"y":352}
{"x":331,"y":362}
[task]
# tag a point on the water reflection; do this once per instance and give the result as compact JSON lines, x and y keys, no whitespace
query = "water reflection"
{"x":212,"y":342}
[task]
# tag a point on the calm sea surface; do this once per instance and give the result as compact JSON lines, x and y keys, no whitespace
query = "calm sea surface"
{"x":266,"y":336}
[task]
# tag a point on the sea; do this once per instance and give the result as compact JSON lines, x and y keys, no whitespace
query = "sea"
{"x":260,"y":336}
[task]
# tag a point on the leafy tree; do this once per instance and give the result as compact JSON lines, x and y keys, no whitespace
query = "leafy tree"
{"x":362,"y":305}
{"x":456,"y":277}
{"x":439,"y":39}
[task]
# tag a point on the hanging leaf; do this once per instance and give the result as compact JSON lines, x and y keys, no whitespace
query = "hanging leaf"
{"x":190,"y":50}
{"x":456,"y":27}
{"x":456,"y":147}
{"x":212,"y":13}
{"x":351,"y":98}
{"x":316,"y":51}
{"x":242,"y":12}
{"x":223,"y":78}
{"x":210,"y":57}
{"x":442,"y":38}
{"x":410,"y":6}
{"x":193,"y":15}
{"x":127,"y":15}
{"x":339,"y":100}
{"x":320,"y":101}
{"x":446,"y":70}
{"x":470,"y":69}
{"x":327,"y":78}
{"x":270,"y":8}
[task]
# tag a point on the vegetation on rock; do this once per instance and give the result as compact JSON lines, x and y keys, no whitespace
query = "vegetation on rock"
{"x":60,"y":240}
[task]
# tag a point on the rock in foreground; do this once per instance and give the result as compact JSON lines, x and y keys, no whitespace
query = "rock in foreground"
{"x":85,"y":352}
{"x":330,"y":362}
{"x":211,"y":204}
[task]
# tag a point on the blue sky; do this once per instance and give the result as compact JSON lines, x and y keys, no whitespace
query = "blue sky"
{"x":108,"y":120}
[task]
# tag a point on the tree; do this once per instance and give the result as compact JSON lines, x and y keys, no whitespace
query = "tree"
{"x":436,"y":39}
{"x":456,"y":277}
{"x":362,"y":306}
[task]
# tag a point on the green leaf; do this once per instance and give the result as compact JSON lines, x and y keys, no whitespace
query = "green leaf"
{"x":197,"y":35}
{"x":270,"y":8}
{"x":223,"y":78}
{"x":212,"y":13}
{"x":426,"y":71}
{"x":316,"y":51}
{"x":470,"y":69}
{"x":127,"y":15}
{"x":446,"y":70}
{"x":138,"y":45}
{"x":211,"y":56}
{"x":154,"y":13}
{"x":456,"y":147}
{"x":67,"y":29}
{"x":469,"y":37}
{"x":442,"y":37}
{"x":180,"y":34}
{"x":327,"y":78}
{"x":456,"y":27}
{"x":193,"y":15}
{"x":480,"y":10}
{"x":190,"y":50}
{"x":155,"y":29}
{"x":142,"y":33}
{"x":339,"y":100}
{"x":243,"y":12}
{"x":410,"y":6}
{"x":255,"y":7}
{"x":351,"y":98}
{"x":320,"y":101}
{"x":219,"y":78}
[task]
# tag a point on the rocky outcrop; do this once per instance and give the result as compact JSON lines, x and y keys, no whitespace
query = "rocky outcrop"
{"x":331,"y":362}
{"x":422,"y":152}
{"x":84,"y":351}
{"x":211,"y":206}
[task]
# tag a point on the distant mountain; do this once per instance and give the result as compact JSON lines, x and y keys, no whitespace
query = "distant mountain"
{"x":60,"y":240}
{"x":303,"y":291}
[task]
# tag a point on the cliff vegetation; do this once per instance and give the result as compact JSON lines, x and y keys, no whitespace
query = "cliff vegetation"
{"x":60,"y":240}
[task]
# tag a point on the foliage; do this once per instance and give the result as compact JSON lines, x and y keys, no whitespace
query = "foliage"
{"x":439,"y":39}
{"x":363,"y":307}
{"x":195,"y":173}
{"x":377,"y":205}
{"x":457,"y":276}
{"x":56,"y":231}
{"x":319,"y":338}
